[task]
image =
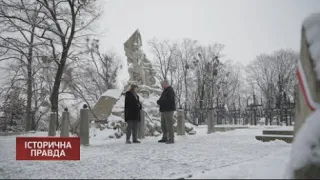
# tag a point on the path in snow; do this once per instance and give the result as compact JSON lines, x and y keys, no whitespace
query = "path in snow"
{"x":189,"y":155}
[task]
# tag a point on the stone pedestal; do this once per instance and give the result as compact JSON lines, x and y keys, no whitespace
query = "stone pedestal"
{"x":64,"y":131}
{"x":180,"y":122}
{"x":52,"y":124}
{"x":142,"y":125}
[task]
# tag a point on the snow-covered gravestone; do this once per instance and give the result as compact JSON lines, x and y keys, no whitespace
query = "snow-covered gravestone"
{"x":305,"y":157}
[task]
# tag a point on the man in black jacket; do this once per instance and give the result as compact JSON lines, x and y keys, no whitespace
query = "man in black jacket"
{"x":132,"y":109}
{"x":167,"y":107}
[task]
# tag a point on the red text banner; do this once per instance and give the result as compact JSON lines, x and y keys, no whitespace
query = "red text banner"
{"x":47,"y":148}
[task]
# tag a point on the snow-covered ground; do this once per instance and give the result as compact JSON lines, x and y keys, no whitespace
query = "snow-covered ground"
{"x":232,"y":154}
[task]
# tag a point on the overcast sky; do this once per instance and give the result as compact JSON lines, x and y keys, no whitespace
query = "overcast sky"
{"x":246,"y":27}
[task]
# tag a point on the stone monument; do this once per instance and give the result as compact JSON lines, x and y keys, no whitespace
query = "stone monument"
{"x":305,"y":156}
{"x":102,"y":109}
{"x":308,"y":91}
{"x":139,"y":67}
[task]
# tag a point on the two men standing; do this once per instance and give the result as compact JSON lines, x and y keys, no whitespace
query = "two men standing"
{"x":167,"y":107}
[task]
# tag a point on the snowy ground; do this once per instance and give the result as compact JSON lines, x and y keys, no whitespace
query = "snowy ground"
{"x":232,"y":154}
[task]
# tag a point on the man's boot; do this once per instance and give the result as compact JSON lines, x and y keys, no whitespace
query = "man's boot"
{"x":170,"y":141}
{"x":163,"y":140}
{"x":136,"y":142}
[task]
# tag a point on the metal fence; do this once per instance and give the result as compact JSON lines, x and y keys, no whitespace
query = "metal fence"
{"x":249,"y":115}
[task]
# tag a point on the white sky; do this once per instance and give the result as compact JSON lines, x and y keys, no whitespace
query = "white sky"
{"x":246,"y":27}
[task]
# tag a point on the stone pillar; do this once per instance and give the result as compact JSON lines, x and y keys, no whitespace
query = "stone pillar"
{"x":142,"y":125}
{"x":181,"y":129}
{"x":84,"y":126}
{"x":210,"y":121}
{"x":64,"y":131}
{"x":52,"y":124}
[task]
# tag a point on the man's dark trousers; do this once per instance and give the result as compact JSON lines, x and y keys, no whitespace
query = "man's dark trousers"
{"x":132,"y":128}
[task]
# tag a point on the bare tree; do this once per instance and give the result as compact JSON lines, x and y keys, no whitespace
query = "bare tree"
{"x":205,"y":68}
{"x":42,"y":86}
{"x":64,"y":20}
{"x":186,"y":53}
{"x":12,"y":109}
{"x":18,"y":41}
{"x":176,"y":80}
{"x":274,"y":73}
{"x":101,"y":70}
{"x":164,"y":53}
{"x":230,"y":84}
{"x":60,"y":25}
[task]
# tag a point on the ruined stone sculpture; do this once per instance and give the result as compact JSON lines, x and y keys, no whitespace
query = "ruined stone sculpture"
{"x":140,"y":68}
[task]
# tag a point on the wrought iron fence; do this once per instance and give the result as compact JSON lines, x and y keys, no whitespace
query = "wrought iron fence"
{"x":252,"y":115}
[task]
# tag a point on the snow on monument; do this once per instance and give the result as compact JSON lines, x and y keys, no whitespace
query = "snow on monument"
{"x":142,"y":74}
{"x":109,"y":110}
{"x":139,"y":67}
{"x":305,"y":157}
{"x":103,"y":107}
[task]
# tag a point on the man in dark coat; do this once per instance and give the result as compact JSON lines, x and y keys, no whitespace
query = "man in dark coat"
{"x":167,"y":107}
{"x":132,"y":109}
